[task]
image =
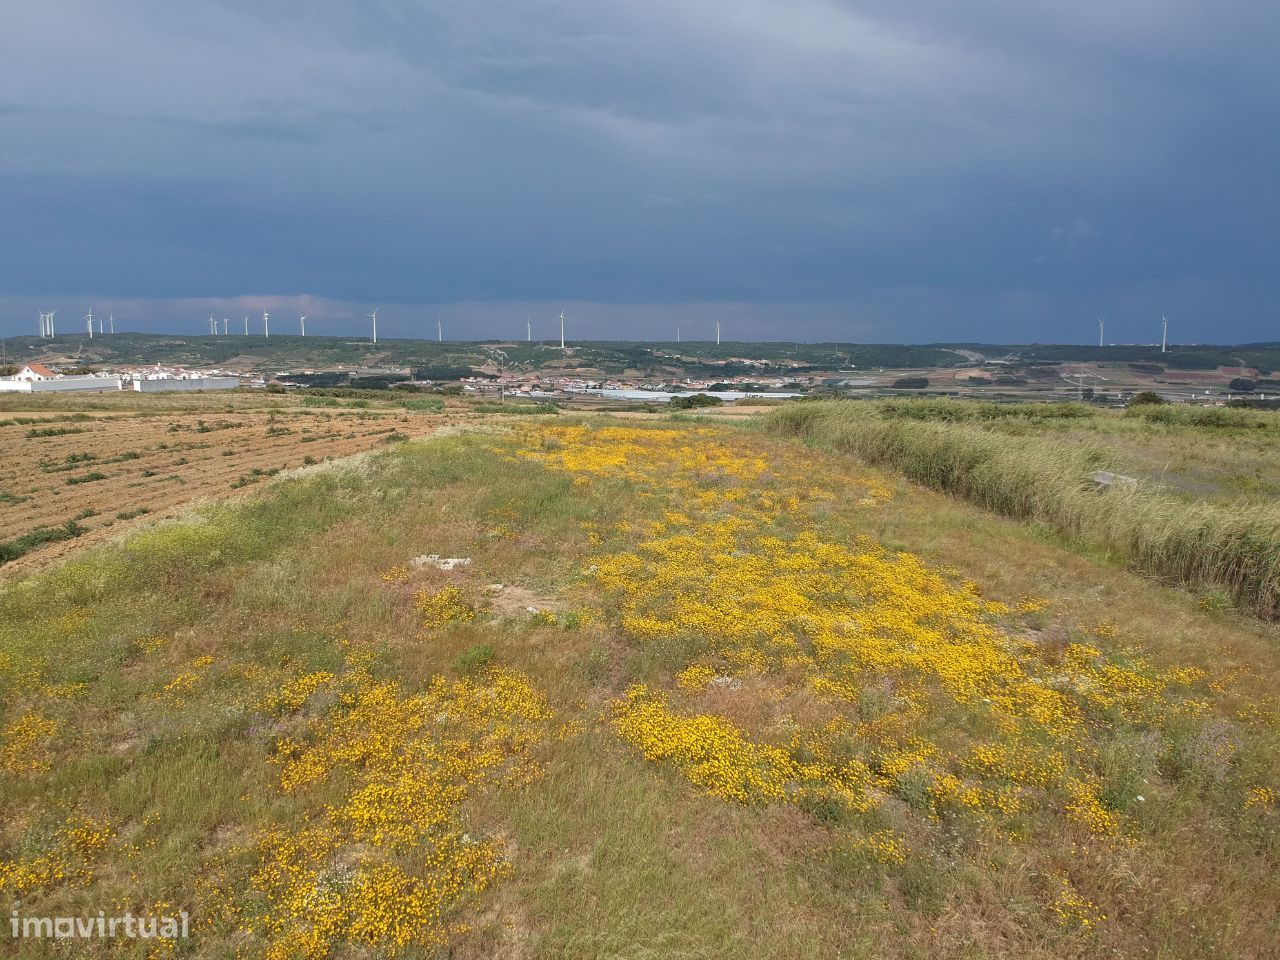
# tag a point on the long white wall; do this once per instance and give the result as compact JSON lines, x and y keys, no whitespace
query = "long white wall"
{"x":193,"y":383}
{"x":63,"y":385}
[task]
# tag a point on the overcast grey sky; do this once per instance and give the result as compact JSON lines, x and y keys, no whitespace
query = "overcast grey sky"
{"x":997,"y":170}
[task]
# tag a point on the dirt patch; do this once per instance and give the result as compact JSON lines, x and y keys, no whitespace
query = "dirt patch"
{"x":508,"y":600}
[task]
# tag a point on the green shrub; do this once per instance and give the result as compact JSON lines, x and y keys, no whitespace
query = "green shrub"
{"x":13,"y":549}
{"x":1146,"y":397}
{"x":475,"y":658}
{"x":694,"y":402}
{"x":85,"y":478}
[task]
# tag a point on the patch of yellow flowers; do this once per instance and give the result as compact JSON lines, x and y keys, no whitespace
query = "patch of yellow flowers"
{"x":709,"y":750}
{"x":67,"y":858}
{"x":734,"y":566}
{"x":24,"y":744}
{"x":883,"y":846}
{"x":386,"y":866}
{"x":397,"y":574}
{"x":1073,"y":910}
{"x":446,"y":605}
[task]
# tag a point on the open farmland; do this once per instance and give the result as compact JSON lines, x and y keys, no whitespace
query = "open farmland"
{"x":74,"y":476}
{"x":701,"y":691}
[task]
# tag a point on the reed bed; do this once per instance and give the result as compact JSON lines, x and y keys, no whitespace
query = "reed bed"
{"x":1228,"y":547}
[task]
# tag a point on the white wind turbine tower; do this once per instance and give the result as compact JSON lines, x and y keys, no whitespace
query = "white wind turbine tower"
{"x":677,"y":334}
{"x":528,"y":330}
{"x":213,"y":326}
{"x":246,"y":324}
{"x":717,"y":333}
{"x":111,"y":323}
{"x":52,"y":332}
{"x":100,"y":326}
{"x":88,"y":319}
{"x":1101,"y":324}
{"x":266,"y":324}
{"x":302,"y":323}
{"x":1164,"y":333}
{"x":439,"y":329}
{"x":561,"y":329}
{"x":374,"y":317}
{"x":225,"y":322}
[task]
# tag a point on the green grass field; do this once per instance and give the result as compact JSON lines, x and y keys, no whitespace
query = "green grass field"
{"x":703,"y":691}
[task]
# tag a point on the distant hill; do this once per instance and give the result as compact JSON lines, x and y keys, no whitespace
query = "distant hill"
{"x":613,"y":358}
{"x":1264,"y":356}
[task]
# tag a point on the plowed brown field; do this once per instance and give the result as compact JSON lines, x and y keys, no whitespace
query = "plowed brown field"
{"x":106,"y":471}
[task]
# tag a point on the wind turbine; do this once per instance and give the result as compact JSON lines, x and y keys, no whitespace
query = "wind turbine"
{"x":43,"y":325}
{"x":88,"y":319}
{"x":302,"y":323}
{"x":99,"y":326}
{"x":561,"y":329}
{"x":213,"y":326}
{"x":1164,"y":333}
{"x":374,"y":317}
{"x":225,"y":321}
{"x":717,"y":333}
{"x":111,"y":323}
{"x":246,"y":324}
{"x":1101,"y":325}
{"x":266,"y":324}
{"x":528,"y":330}
{"x":677,"y":334}
{"x":439,"y":329}
{"x":52,"y":332}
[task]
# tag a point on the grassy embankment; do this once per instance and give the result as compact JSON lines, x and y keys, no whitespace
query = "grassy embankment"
{"x":1033,"y":462}
{"x":735,"y":725}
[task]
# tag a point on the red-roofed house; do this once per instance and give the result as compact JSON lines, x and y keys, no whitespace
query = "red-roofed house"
{"x":35,"y":371}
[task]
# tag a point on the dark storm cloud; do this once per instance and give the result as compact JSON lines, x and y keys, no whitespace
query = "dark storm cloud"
{"x":993,"y":170}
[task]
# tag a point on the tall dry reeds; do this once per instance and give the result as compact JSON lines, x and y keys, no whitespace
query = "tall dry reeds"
{"x":1231,"y":547}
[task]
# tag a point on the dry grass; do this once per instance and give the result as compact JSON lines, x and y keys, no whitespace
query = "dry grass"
{"x":1209,"y":544}
{"x":611,"y":856}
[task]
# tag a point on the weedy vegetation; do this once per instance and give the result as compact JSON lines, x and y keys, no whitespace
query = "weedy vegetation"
{"x":1019,"y":461}
{"x":702,"y":691}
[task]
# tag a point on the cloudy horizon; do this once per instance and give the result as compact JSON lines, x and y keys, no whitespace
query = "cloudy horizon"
{"x":847,"y":171}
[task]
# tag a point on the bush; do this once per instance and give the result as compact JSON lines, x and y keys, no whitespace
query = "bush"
{"x":692,"y":403}
{"x":1241,"y":385}
{"x":475,"y":658}
{"x":85,"y":478}
{"x":13,"y":549}
{"x":1147,"y":398}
